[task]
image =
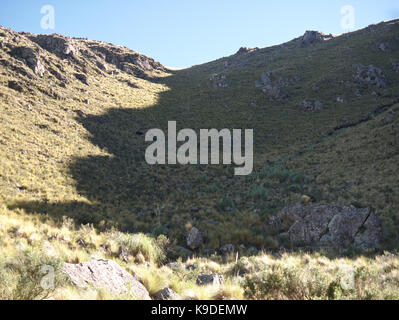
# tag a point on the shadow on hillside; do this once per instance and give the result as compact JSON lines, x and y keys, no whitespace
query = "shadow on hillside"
{"x":122,"y":190}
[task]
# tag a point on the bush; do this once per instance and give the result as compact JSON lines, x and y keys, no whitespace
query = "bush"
{"x":30,"y":275}
{"x":139,"y":243}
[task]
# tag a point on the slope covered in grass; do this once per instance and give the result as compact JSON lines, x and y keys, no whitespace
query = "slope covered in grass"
{"x":72,"y":144}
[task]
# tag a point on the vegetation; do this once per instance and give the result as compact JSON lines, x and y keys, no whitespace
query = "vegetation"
{"x":74,"y":183}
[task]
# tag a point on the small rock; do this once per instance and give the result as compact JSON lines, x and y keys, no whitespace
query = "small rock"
{"x":15,"y":85}
{"x":81,"y":243}
{"x":82,"y":78}
{"x":194,"y":238}
{"x":166,"y":294}
{"x":207,"y":279}
{"x":226,"y":249}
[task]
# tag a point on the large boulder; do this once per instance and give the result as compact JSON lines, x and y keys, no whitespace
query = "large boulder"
{"x":194,"y":238}
{"x":330,"y":225}
{"x":105,"y":274}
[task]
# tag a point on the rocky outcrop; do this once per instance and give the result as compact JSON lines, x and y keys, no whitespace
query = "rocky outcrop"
{"x":371,"y":75}
{"x":31,"y":57}
{"x":61,"y":46}
{"x":329,"y":225}
{"x":125,"y":60}
{"x":105,"y":274}
{"x":311,"y":37}
{"x":194,"y":238}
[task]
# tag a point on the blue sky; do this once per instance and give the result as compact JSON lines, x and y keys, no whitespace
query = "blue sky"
{"x":181,"y":33}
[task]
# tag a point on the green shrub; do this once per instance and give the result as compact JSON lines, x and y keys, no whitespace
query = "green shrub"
{"x":30,"y":275}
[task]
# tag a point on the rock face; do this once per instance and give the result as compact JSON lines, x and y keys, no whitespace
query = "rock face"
{"x":330,"y":225}
{"x":166,"y":294}
{"x":206,"y":279}
{"x":105,"y":274}
{"x":371,"y":75}
{"x":194,"y":238}
{"x":31,"y":57}
{"x":311,"y":37}
{"x":57,"y":44}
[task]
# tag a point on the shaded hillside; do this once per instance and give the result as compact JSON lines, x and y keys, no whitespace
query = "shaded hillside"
{"x":73,"y":112}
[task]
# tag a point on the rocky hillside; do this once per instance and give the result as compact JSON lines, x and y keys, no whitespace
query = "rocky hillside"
{"x":325,"y":115}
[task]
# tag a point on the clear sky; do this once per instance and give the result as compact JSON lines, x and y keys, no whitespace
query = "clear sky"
{"x":181,"y":33}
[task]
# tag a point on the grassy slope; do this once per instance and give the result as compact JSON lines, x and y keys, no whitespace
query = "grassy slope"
{"x":55,"y":163}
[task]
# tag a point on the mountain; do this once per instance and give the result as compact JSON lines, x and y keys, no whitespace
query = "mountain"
{"x":73,"y":114}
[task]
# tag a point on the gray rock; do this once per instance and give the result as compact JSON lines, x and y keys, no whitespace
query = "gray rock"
{"x":226,"y":249}
{"x":194,"y":238}
{"x":395,"y":66}
{"x":384,"y":47}
{"x":311,"y":37}
{"x":371,"y":75}
{"x":207,"y":279}
{"x":167,"y":294}
{"x":332,"y":225}
{"x":105,"y":274}
{"x":59,"y":45}
{"x":15,"y":85}
{"x":312,"y":105}
{"x":31,"y":57}
{"x":82,"y":78}
{"x":220,"y":81}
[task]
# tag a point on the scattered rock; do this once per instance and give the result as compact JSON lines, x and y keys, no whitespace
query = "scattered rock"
{"x":340,"y":100}
{"x":395,"y":66}
{"x":371,"y":75}
{"x":124,"y":254}
{"x":219,"y":81}
{"x":166,"y":294}
{"x":194,"y":238}
{"x":252,"y":251}
{"x":82,"y":78}
{"x":384,"y":46}
{"x":310,"y":105}
{"x":183,"y":252}
{"x":226,"y":249}
{"x":105,"y":274}
{"x":173,"y":265}
{"x":101,"y":66}
{"x":332,"y":225}
{"x":82,"y":243}
{"x":207,"y":279}
{"x":15,"y":85}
